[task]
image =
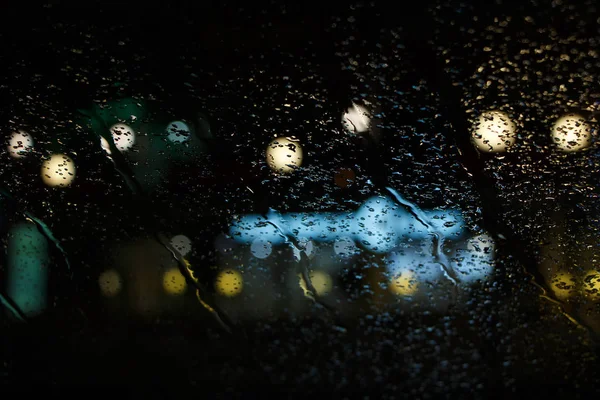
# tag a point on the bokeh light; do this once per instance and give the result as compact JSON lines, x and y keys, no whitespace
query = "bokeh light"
{"x":174,"y":282}
{"x":19,"y":144}
{"x":123,"y":136}
{"x":356,"y":119}
{"x":178,"y":132}
{"x":58,"y":171}
{"x":404,"y":283}
{"x":345,"y":247}
{"x":229,"y":283}
{"x":284,"y":155}
{"x":182,"y":243}
{"x":261,"y":248}
{"x":320,"y":280}
{"x":477,"y":259}
{"x":494,"y":132}
{"x":571,"y":133}
{"x":562,"y":285}
{"x":591,"y":284}
{"x":110,"y":283}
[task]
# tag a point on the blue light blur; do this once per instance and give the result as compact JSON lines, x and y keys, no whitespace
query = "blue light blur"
{"x":378,"y":225}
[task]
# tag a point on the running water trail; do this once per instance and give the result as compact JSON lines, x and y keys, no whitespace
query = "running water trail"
{"x":437,"y":244}
{"x":272,"y":218}
{"x":13,"y":308}
{"x":120,"y":165}
{"x":45,"y":230}
{"x":42,"y":227}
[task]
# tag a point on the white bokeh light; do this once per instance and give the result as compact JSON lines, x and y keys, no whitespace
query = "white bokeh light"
{"x":284,"y":155}
{"x":571,"y":133}
{"x":123,"y":136}
{"x":356,"y":119}
{"x":261,"y":248}
{"x":178,"y":132}
{"x":345,"y":247}
{"x":182,"y":243}
{"x":19,"y":144}
{"x":58,"y":171}
{"x":477,"y":260}
{"x":494,"y":132}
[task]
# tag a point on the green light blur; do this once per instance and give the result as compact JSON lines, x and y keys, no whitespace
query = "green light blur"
{"x":28,"y":261}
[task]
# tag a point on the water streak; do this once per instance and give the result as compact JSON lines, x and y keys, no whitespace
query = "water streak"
{"x":272,"y":218}
{"x":437,"y":244}
{"x":122,"y":169}
{"x":13,"y":308}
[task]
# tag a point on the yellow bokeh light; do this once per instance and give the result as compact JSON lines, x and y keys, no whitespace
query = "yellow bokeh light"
{"x":229,"y":283}
{"x":320,"y":280}
{"x":19,"y":144}
{"x":58,"y":171}
{"x":562,"y":285}
{"x":571,"y":133}
{"x":494,"y":132}
{"x":404,"y":284}
{"x":110,"y":283}
{"x":591,"y":284}
{"x":174,"y":282}
{"x":284,"y":155}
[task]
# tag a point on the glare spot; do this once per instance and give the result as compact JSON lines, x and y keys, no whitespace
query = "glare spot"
{"x":178,"y":132}
{"x":591,"y":284}
{"x":562,"y":284}
{"x":320,"y":280}
{"x":123,"y":136}
{"x":261,"y":248}
{"x":345,"y":247}
{"x":404,"y":283}
{"x":229,"y":283}
{"x":356,"y":119}
{"x":58,"y":170}
{"x":284,"y":155}
{"x":571,"y":133}
{"x":494,"y":132}
{"x":182,"y":243}
{"x":19,"y":144}
{"x":174,"y":282}
{"x":110,"y":283}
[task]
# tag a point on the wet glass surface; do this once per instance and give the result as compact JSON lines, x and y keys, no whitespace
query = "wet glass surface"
{"x":355,"y":202}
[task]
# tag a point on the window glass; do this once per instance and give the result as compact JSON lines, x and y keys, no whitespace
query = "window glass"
{"x":356,"y":201}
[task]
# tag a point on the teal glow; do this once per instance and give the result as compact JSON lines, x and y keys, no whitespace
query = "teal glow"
{"x":27,"y":276}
